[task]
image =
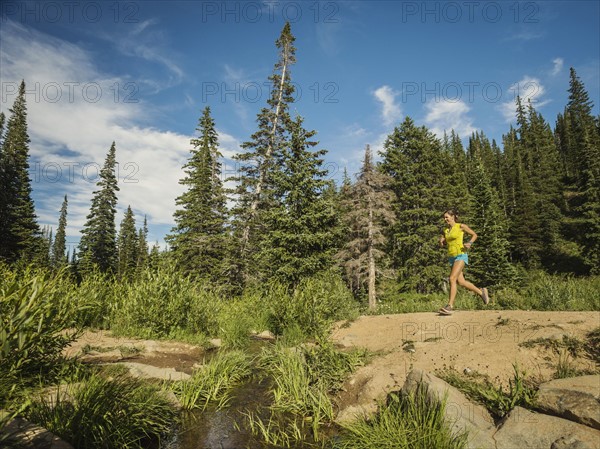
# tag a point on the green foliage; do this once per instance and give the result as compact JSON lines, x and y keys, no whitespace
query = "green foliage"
{"x":198,"y":240}
{"x":422,"y":182}
{"x":20,"y":236}
{"x":127,"y":246}
{"x":312,"y":306}
{"x":38,"y":322}
{"x":98,"y":244}
{"x":521,"y":391}
{"x":542,"y":291}
{"x":162,"y":303}
{"x":300,"y":228}
{"x":58,"y":258}
{"x":214,"y":381}
{"x":119,"y":412}
{"x":406,"y":422}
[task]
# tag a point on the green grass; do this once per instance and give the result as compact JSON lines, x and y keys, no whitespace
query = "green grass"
{"x":521,"y":391}
{"x":403,"y":422}
{"x":303,"y":378}
{"x":213,"y":382}
{"x":119,"y":412}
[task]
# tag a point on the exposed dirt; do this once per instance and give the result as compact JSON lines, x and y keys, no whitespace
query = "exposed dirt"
{"x":102,"y":347}
{"x":487,"y":342}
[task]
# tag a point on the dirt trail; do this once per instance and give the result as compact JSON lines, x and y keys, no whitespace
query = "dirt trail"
{"x":484,"y":341}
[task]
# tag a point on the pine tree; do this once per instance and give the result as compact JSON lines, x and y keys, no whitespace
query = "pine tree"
{"x":58,"y":257}
{"x":98,"y":246}
{"x":127,"y":246}
{"x":368,"y":207}
{"x":578,"y":142}
{"x":489,"y":260}
{"x":142,"y":250}
{"x":524,"y":222}
{"x":20,"y":235}
{"x":199,"y":240}
{"x":300,"y":232}
{"x":254,"y":191}
{"x":413,"y":157}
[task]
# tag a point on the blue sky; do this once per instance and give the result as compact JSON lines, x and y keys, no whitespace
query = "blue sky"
{"x":140,"y":72}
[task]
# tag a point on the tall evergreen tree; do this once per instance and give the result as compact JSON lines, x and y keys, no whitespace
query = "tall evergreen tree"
{"x":199,"y":239}
{"x":142,"y":250}
{"x":98,"y":245}
{"x":127,"y":246}
{"x":489,"y":258}
{"x":254,"y":193}
{"x":20,"y":235}
{"x":578,"y":141}
{"x":368,"y":207}
{"x":301,"y":228}
{"x":413,"y":157}
{"x":59,"y":257}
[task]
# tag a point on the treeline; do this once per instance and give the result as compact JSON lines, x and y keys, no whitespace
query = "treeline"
{"x":534,"y":200}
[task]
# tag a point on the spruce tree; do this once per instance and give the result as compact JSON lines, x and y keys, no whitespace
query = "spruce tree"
{"x":585,"y":153}
{"x":489,"y":259}
{"x":198,"y":240}
{"x":254,"y":185}
{"x":98,"y":245}
{"x":20,"y":235}
{"x":59,"y":257}
{"x":368,"y":207}
{"x":127,"y":246}
{"x":413,"y":157}
{"x":301,"y":228}
{"x":142,"y":250}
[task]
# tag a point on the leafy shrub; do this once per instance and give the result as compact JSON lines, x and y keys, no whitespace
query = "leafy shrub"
{"x":37,"y":323}
{"x":118,"y":413}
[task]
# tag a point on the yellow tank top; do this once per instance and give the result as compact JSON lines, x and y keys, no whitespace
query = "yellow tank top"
{"x":454,"y":240}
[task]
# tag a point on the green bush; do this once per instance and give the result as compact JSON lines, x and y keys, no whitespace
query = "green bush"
{"x":404,"y":422}
{"x":312,"y":306}
{"x":37,"y":320}
{"x":100,"y":412}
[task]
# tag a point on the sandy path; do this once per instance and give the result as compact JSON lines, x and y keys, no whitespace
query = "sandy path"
{"x":484,"y":341}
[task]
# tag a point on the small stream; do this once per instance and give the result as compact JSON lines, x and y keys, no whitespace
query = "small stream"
{"x":226,"y":428}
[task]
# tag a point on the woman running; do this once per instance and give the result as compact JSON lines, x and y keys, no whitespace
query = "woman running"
{"x":458,"y":258}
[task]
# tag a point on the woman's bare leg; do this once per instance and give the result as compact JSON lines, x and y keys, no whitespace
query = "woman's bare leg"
{"x":455,"y":274}
{"x":466,"y":284}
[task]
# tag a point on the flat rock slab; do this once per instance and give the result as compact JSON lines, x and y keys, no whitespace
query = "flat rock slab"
{"x":26,"y":435}
{"x":461,"y":414}
{"x":523,"y":429}
{"x":575,"y":398}
{"x":152,"y":372}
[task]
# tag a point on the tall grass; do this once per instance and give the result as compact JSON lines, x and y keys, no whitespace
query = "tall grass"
{"x":404,"y":422}
{"x":214,"y":381}
{"x":100,"y":412}
{"x":521,"y":391}
{"x":302,"y":380}
{"x":35,"y":313}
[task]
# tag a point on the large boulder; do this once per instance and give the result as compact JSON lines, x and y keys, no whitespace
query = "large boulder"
{"x":524,"y":429}
{"x":575,"y":398}
{"x":460,"y":414}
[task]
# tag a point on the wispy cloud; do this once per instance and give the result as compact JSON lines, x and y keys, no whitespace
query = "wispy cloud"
{"x":528,"y":89}
{"x":391,"y":111}
{"x":558,"y":65}
{"x":72,"y":131}
{"x":449,"y":115}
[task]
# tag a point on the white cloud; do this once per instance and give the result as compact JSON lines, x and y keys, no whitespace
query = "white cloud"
{"x":449,"y":115}
{"x":391,"y":112}
{"x":558,"y":65}
{"x":529,"y":89}
{"x":71,"y":134}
